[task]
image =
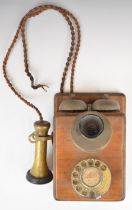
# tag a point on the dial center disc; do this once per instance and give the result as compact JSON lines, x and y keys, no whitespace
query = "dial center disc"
{"x":91,"y":176}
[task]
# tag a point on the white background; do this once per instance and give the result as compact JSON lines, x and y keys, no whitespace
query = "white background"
{"x":104,"y":64}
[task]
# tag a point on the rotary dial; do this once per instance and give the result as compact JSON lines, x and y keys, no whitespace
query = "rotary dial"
{"x":91,"y":178}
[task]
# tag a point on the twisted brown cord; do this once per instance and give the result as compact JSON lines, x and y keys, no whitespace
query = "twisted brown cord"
{"x":21,"y":28}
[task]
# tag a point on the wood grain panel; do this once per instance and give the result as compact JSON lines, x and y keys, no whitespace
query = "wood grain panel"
{"x":67,"y":155}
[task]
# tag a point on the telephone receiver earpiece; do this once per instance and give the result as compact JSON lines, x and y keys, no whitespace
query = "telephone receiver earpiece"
{"x":40,"y":173}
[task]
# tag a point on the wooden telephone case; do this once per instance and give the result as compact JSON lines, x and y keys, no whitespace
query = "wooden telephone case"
{"x":67,"y":154}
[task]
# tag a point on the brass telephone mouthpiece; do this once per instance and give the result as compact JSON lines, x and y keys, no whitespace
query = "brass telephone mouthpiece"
{"x":40,"y":173}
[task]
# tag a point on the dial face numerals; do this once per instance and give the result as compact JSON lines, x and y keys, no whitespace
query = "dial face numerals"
{"x":91,"y":178}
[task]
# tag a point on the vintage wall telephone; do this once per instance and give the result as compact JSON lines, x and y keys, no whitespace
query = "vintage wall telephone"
{"x":88,"y":135}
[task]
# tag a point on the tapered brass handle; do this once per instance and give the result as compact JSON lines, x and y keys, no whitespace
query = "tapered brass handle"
{"x":40,"y":173}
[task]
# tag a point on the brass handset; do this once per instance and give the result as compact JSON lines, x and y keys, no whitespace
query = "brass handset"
{"x":40,"y":173}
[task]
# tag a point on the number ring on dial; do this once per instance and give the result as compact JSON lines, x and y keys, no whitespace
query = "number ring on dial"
{"x":91,"y":178}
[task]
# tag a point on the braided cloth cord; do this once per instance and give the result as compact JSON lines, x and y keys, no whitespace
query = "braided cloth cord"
{"x":71,"y":59}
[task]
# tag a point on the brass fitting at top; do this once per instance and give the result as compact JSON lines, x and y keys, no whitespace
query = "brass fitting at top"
{"x":41,"y":132}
